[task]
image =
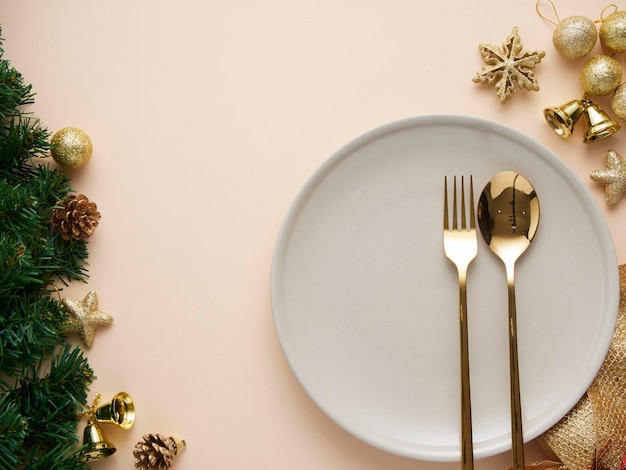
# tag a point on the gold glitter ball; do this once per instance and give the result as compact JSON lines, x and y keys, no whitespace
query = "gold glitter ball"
{"x":85,"y":317}
{"x":574,"y":37}
{"x":613,"y":177}
{"x":618,"y":102}
{"x":613,"y":33}
{"x":601,"y":75}
{"x":71,"y":147}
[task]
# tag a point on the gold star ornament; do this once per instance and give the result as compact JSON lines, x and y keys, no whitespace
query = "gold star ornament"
{"x":508,"y":67}
{"x":84,"y":317}
{"x":613,"y":177}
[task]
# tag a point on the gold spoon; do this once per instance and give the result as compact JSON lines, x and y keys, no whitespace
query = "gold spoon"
{"x":508,"y":217}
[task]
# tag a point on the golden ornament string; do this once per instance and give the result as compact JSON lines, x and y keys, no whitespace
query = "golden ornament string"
{"x":545,"y":17}
{"x":605,"y":9}
{"x":556,"y":14}
{"x":91,"y":412}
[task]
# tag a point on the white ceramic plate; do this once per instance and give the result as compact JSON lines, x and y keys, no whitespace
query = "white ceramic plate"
{"x":366,"y":304}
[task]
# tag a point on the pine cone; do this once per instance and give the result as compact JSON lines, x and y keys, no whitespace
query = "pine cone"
{"x":77,"y":218}
{"x":156,"y":452}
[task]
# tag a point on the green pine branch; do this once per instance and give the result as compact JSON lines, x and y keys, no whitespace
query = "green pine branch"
{"x":48,"y":399}
{"x":43,"y":380}
{"x":32,"y":328}
{"x":21,"y":139}
{"x":13,"y":432}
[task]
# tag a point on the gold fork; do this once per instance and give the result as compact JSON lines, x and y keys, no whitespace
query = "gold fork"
{"x":461,"y":248}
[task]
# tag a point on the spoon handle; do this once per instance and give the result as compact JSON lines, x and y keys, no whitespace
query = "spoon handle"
{"x":516,"y":407}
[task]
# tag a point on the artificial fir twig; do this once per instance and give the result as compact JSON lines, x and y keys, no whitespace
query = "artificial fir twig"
{"x":43,"y":380}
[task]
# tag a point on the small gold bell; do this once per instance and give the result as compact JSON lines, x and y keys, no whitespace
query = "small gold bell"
{"x":599,"y":124}
{"x":97,"y":446}
{"x":563,"y":118}
{"x":119,"y":411}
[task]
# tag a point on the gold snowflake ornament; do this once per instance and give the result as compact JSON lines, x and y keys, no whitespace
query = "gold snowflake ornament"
{"x":508,"y":67}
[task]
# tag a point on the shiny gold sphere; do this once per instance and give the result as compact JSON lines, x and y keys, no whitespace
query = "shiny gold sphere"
{"x":601,"y":75}
{"x":613,"y":33}
{"x":574,"y":37}
{"x":71,"y":147}
{"x":618,"y":102}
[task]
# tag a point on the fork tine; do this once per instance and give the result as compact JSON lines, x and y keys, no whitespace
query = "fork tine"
{"x":445,"y":203}
{"x":454,"y":211}
{"x":463,"y":219}
{"x":463,"y":223}
{"x":472,"y":215}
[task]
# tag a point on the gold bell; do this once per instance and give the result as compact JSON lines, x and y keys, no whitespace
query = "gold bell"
{"x":119,"y":411}
{"x":96,"y":445}
{"x":599,"y":124}
{"x":563,"y":118}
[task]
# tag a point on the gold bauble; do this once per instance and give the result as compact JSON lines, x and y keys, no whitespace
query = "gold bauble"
{"x":613,"y":33}
{"x":71,"y":147}
{"x":618,"y":102}
{"x":574,"y":37}
{"x":600,"y":75}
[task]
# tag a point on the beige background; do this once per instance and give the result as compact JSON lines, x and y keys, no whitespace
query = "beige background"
{"x":207,"y":118}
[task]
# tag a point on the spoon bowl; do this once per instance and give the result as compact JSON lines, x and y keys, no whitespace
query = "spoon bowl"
{"x":508,"y":217}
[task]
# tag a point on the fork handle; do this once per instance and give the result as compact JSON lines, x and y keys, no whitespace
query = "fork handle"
{"x":467,"y":453}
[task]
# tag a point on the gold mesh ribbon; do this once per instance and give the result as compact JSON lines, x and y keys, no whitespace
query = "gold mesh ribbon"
{"x":592,"y":436}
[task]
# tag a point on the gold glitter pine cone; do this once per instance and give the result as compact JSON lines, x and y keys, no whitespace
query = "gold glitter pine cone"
{"x":156,"y":452}
{"x":77,"y":218}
